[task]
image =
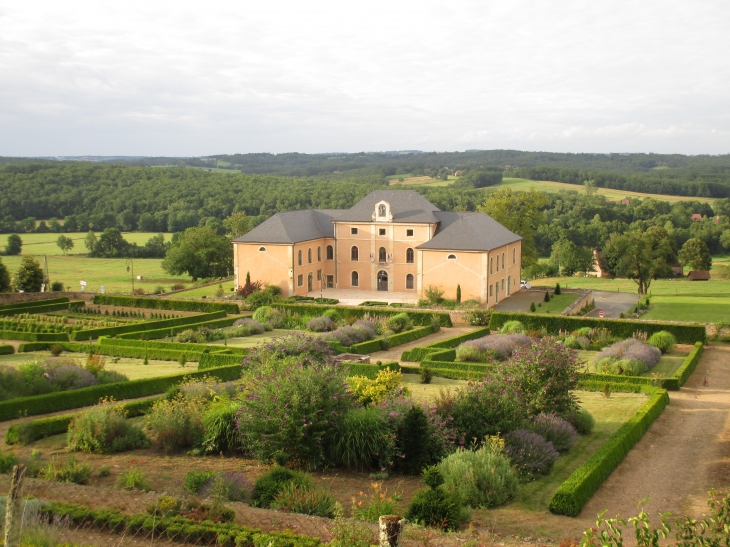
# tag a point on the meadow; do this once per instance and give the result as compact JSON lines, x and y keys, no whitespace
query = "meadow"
{"x":40,"y":244}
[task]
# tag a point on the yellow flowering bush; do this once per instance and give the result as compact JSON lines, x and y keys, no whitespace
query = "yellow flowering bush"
{"x":368,"y":391}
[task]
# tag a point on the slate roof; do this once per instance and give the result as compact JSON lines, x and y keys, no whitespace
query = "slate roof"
{"x":460,"y":231}
{"x":293,"y":227}
{"x":405,"y":205}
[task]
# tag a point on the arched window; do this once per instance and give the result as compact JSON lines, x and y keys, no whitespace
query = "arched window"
{"x":514,"y":256}
{"x":381,"y":210}
{"x":451,"y":257}
{"x":330,"y":252}
{"x":409,"y":281}
{"x":319,"y":254}
{"x":355,"y":279}
{"x":354,"y":254}
{"x":382,"y":255}
{"x":299,"y":257}
{"x":309,"y":255}
{"x":409,"y":256}
{"x":491,"y":265}
{"x":262,"y":249}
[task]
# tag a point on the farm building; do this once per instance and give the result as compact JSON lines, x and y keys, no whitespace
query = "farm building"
{"x":393,"y":241}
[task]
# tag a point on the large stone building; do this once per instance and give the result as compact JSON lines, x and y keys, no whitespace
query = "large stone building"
{"x":389,"y":241}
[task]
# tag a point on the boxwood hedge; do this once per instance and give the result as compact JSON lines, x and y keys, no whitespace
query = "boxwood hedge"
{"x":31,"y":303}
{"x":178,"y":346}
{"x":623,"y":328}
{"x":33,"y":346}
{"x":575,"y":492}
{"x":65,"y":400}
{"x":34,"y":336}
{"x":214,"y":360}
{"x":183,"y":530}
{"x":165,"y":304}
{"x":420,"y":318}
{"x":419,"y":353}
{"x":145,"y":326}
{"x":370,"y":370}
{"x":172,"y":331}
{"x":6,"y":349}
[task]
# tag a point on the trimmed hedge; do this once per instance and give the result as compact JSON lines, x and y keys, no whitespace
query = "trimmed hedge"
{"x":184,"y":530}
{"x":65,"y":400}
{"x":179,"y":346}
{"x":623,"y":328}
{"x":33,"y":346}
{"x":145,"y":326}
{"x":38,"y":308}
{"x":172,"y":331}
{"x":673,"y":383}
{"x":6,"y":350}
{"x":364,"y":348}
{"x":381,"y":344}
{"x":469,"y":367}
{"x":27,"y":432}
{"x":370,"y":370}
{"x":165,"y":304}
{"x":575,"y":492}
{"x":419,"y":318}
{"x":443,"y":355}
{"x":34,"y":336}
{"x":31,"y":303}
{"x":215,"y":360}
{"x":417,"y":354}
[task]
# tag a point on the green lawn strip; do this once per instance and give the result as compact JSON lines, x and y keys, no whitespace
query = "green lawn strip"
{"x":707,"y":309}
{"x":572,"y":495}
{"x":659,"y":287}
{"x":610,"y":414}
{"x":427,"y":392}
{"x":557,"y":303}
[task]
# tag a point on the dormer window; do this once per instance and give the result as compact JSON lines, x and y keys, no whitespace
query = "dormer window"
{"x":382,"y":210}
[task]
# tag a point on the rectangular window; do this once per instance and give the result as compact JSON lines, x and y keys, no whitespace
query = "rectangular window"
{"x":319,"y":275}
{"x":409,"y":232}
{"x":503,"y":284}
{"x":490,"y":290}
{"x":353,"y":231}
{"x":300,"y":280}
{"x":381,"y":231}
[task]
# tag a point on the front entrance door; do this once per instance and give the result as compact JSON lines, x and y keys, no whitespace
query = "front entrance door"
{"x":330,"y":281}
{"x":382,"y":281}
{"x":310,"y":286}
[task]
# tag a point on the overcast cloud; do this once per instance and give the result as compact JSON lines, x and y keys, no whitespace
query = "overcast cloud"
{"x":183,"y":78}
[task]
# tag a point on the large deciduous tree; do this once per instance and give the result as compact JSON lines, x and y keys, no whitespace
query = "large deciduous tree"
{"x":237,"y":224}
{"x":520,"y":213}
{"x":4,"y":278}
{"x":695,"y":254}
{"x":111,"y":244}
{"x":569,"y":258}
{"x":14,"y":246}
{"x":29,"y":276}
{"x":65,"y":243}
{"x":200,"y":253}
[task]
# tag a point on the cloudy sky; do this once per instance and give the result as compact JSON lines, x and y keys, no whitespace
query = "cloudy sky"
{"x":193,"y":78}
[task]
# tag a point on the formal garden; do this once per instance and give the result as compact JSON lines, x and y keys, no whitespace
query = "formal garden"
{"x":216,"y":409}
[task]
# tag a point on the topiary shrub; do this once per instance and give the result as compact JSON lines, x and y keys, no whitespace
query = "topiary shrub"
{"x":664,"y":341}
{"x":512,"y":327}
{"x":581,"y":420}
{"x":436,"y":507}
{"x":480,"y":478}
{"x":320,"y":324}
{"x":400,"y":322}
{"x":269,"y":485}
{"x":532,"y":307}
{"x":333,"y":315}
{"x":104,"y":429}
{"x":530,"y":453}
{"x":547,"y":297}
{"x":556,"y":430}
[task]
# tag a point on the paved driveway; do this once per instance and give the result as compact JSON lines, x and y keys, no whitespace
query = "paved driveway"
{"x":613,"y":304}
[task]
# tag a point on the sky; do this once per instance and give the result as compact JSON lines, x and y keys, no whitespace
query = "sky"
{"x":183,"y":78}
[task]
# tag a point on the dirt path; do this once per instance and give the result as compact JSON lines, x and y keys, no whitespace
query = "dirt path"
{"x":394,"y":354}
{"x":685,"y":453}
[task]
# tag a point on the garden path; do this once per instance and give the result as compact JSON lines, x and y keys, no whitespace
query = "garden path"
{"x":684,"y":454}
{"x":394,"y":353}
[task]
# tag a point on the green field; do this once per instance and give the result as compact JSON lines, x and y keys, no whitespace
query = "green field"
{"x":703,"y":308}
{"x":613,"y":195}
{"x":40,"y":244}
{"x":110,"y":272}
{"x":208,"y":291}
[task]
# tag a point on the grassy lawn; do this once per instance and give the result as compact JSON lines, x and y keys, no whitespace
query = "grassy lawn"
{"x":557,"y":303}
{"x":209,"y":290}
{"x":110,"y":272}
{"x":134,"y":369}
{"x":613,"y":195}
{"x":666,"y":366}
{"x":659,"y":287}
{"x":40,"y":244}
{"x":428,"y":392}
{"x":705,"y":309}
{"x":255,"y":340}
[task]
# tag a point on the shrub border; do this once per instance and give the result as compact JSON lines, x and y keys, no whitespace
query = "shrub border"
{"x":165,"y":304}
{"x":421,"y":352}
{"x":6,"y":349}
{"x":419,"y":318}
{"x":572,"y":495}
{"x":32,"y":303}
{"x":33,"y":336}
{"x":146,"y":326}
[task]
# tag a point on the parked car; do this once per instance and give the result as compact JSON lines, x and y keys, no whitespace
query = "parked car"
{"x":525,"y":284}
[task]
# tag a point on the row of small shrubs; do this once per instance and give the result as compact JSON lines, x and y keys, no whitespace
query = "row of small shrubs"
{"x":419,"y":318}
{"x":169,"y":332}
{"x":148,"y":325}
{"x":166,"y":304}
{"x":156,"y":344}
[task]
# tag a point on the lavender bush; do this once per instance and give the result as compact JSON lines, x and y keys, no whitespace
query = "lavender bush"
{"x":554,"y":429}
{"x":320,"y":324}
{"x":491,"y":348}
{"x":629,"y":350}
{"x":246,"y":327}
{"x":70,"y":377}
{"x":360,"y":331}
{"x":293,"y":349}
{"x":530,"y":453}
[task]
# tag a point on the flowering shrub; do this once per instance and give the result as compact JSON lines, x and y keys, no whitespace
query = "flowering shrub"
{"x":496,"y":347}
{"x":628,"y":350}
{"x":295,"y":411}
{"x":267,"y":314}
{"x":246,"y":327}
{"x":320,"y":324}
{"x":480,"y":478}
{"x":556,"y":430}
{"x":368,"y":391}
{"x":577,"y":342}
{"x":530,"y":453}
{"x":286,"y":351}
{"x":105,"y":429}
{"x":546,"y":373}
{"x":176,"y":423}
{"x":378,"y":503}
{"x":368,"y":329}
{"x":70,"y":376}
